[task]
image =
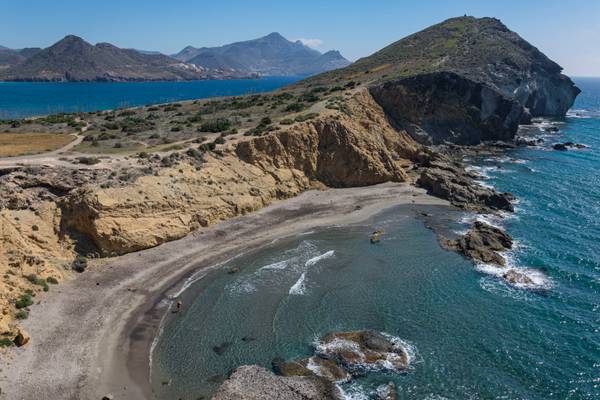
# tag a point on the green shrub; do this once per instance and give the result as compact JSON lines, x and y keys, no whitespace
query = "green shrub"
{"x":59,"y":119}
{"x":6,"y":342}
{"x":24,"y":301}
{"x":52,"y":280}
{"x":216,"y":125}
{"x":35,"y":228}
{"x":195,"y":118}
{"x":80,"y":264}
{"x":22,"y":314}
{"x":219,"y":140}
{"x":88,"y":160}
{"x":286,"y":121}
{"x":207,"y":146}
{"x":295,"y":107}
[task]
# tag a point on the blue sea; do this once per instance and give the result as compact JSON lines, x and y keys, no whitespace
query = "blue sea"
{"x":26,"y":99}
{"x":471,"y":335}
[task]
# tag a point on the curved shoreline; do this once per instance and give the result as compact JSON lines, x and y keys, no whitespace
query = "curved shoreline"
{"x":92,"y":336}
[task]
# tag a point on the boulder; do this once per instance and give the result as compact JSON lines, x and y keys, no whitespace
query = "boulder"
{"x":482,"y":243}
{"x":256,"y":383}
{"x":387,"y":392}
{"x":560,"y":147}
{"x":22,"y":338}
{"x":530,"y":142}
{"x":311,"y":366}
{"x":514,"y":277}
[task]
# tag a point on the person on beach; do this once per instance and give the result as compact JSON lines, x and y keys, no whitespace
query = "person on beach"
{"x":178,"y":306}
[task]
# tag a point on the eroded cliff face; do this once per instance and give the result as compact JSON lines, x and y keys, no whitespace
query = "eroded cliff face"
{"x":446,"y":107}
{"x":353,"y":148}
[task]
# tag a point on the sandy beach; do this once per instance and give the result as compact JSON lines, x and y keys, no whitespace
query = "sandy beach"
{"x":92,"y":336}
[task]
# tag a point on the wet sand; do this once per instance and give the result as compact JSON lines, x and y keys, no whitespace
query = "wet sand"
{"x":92,"y":336}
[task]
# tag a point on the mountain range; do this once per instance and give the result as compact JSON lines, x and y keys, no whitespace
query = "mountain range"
{"x":74,"y":59}
{"x":269,"y":55}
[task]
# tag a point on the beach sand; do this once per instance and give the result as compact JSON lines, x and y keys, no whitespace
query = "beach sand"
{"x":92,"y":336}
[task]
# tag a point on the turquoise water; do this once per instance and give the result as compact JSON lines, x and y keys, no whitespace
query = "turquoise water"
{"x":474,"y":336}
{"x":26,"y":99}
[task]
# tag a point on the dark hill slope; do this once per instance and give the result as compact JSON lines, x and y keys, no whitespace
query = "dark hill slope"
{"x":464,"y":80}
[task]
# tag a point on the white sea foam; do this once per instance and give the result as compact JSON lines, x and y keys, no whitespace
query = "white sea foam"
{"x":535,"y":279}
{"x":316,"y":259}
{"x":299,"y":288}
{"x":277,"y":266}
{"x":353,"y":392}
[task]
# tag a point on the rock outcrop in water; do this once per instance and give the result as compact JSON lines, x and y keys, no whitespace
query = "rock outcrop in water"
{"x":483,"y":243}
{"x":339,"y":357}
{"x":449,"y":180}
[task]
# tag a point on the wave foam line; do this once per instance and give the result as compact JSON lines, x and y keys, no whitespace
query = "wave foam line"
{"x":299,"y":288}
{"x":316,"y":259}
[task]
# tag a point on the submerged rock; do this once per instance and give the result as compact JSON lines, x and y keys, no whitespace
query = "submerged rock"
{"x":387,"y":392}
{"x":220,"y":349}
{"x":360,"y":351}
{"x":257,"y":383}
{"x":482,"y":243}
{"x":517,"y":278}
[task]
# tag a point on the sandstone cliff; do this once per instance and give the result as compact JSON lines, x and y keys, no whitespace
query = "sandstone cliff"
{"x":335,"y":149}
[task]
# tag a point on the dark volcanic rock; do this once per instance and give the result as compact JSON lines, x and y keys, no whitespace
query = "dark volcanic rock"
{"x":446,"y":107}
{"x":560,"y":146}
{"x":568,"y":145}
{"x":359,"y":351}
{"x":482,"y":243}
{"x":450,"y":181}
{"x":256,"y":383}
{"x":523,"y":141}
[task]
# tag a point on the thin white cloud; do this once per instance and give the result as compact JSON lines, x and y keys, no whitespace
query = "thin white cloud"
{"x":312,"y":43}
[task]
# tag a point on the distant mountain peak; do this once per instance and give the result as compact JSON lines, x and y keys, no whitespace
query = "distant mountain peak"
{"x":272,"y":54}
{"x":275,"y":35}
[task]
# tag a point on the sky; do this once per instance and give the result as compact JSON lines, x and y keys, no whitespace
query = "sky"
{"x":567,"y":31}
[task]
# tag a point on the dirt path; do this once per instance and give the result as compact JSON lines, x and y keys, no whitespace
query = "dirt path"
{"x":91,"y":336}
